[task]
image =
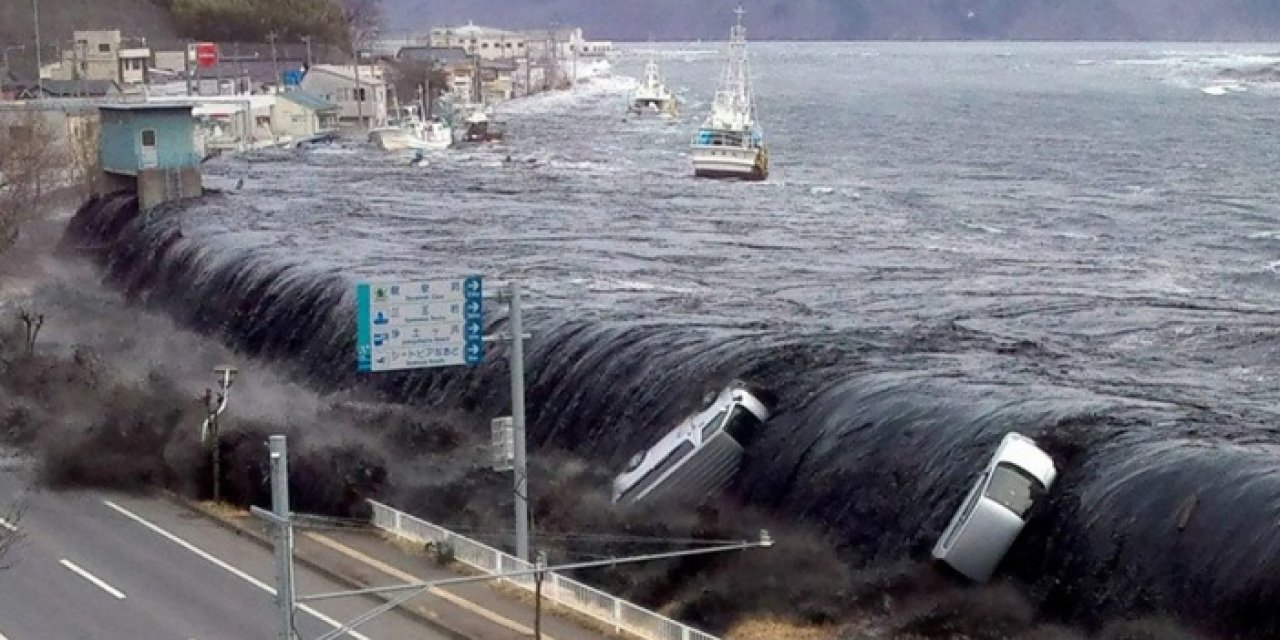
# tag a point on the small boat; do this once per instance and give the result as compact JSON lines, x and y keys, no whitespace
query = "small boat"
{"x":652,"y":96}
{"x":479,"y":128}
{"x":408,"y":131}
{"x":730,"y":144}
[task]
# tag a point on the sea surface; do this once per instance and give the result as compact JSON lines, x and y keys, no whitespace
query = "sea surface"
{"x":1080,"y":242}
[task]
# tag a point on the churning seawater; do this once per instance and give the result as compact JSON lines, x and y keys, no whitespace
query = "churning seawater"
{"x":1079,"y":242}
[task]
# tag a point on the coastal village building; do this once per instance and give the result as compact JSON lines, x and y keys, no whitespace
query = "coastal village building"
{"x":360,"y":92}
{"x":298,"y":115}
{"x":64,"y":89}
{"x":102,"y":55}
{"x":484,"y":42}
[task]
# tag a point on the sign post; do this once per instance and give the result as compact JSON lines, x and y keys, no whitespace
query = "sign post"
{"x":440,"y":323}
{"x":418,"y":325}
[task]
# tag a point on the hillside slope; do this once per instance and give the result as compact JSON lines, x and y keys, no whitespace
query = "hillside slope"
{"x":58,"y":18}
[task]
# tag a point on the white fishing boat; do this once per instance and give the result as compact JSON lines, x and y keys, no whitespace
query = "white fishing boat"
{"x":408,"y":131}
{"x":730,"y":144}
{"x":652,"y":96}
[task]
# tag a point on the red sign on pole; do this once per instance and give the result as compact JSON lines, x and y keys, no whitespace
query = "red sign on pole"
{"x":206,"y":54}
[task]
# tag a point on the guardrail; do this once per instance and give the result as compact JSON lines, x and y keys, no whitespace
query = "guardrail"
{"x":614,"y":612}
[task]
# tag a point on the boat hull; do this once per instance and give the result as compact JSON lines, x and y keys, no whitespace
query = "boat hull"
{"x":729,"y":163}
{"x":397,"y":139}
{"x":391,"y":139}
{"x":643,"y":106}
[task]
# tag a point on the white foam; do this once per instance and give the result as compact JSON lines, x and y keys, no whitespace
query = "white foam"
{"x":553,"y":101}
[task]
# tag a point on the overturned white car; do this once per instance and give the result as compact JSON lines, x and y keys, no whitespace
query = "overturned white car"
{"x":994,"y":512}
{"x":697,"y":458}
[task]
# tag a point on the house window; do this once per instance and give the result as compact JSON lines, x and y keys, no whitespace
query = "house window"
{"x":148,"y":138}
{"x":362,"y":95}
{"x":104,"y":48}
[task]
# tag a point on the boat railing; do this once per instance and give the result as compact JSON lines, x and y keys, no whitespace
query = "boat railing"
{"x":712,"y":138}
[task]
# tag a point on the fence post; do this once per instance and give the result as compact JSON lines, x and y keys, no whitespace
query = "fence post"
{"x":684,"y":632}
{"x":617,"y":615}
{"x":399,"y":530}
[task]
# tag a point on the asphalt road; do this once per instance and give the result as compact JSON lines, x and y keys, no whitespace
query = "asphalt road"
{"x":91,"y":565}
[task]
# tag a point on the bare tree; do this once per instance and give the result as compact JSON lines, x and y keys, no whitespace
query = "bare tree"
{"x":363,"y":19}
{"x":83,"y":162}
{"x":32,"y":161}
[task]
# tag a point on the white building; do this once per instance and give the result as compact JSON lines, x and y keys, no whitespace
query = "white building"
{"x":485,"y":42}
{"x":360,"y":92}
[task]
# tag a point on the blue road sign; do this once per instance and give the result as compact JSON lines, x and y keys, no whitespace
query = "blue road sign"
{"x":414,"y":325}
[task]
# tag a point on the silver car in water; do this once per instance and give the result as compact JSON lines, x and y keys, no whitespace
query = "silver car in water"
{"x":994,"y":512}
{"x":697,"y":458}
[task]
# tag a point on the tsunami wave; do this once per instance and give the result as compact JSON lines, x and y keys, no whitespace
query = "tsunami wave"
{"x":876,"y":438}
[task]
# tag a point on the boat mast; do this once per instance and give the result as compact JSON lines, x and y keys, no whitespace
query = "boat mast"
{"x":736,"y":87}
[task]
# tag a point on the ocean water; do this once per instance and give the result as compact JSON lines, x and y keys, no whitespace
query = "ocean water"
{"x":1080,"y":242}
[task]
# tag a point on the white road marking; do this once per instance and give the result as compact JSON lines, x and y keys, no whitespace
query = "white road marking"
{"x":223,"y":565}
{"x":5,"y":524}
{"x":98,"y":582}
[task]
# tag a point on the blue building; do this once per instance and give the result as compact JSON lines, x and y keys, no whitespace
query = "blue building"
{"x":151,"y":149}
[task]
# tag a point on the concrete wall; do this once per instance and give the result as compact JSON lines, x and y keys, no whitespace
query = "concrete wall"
{"x":158,"y":186}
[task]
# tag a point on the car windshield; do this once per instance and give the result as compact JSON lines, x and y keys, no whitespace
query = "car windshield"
{"x":742,"y":425}
{"x":709,"y":429}
{"x":1014,"y":488}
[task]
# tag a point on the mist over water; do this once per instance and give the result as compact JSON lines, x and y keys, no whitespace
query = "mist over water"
{"x":1070,"y":241}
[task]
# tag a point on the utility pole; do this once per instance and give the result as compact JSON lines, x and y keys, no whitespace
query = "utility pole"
{"x":518,"y":430}
{"x":275,"y":61}
{"x":307,"y":40}
{"x":35,"y":17}
{"x":359,"y":88}
{"x":186,"y":68}
{"x":285,"y":592}
{"x":209,"y":434}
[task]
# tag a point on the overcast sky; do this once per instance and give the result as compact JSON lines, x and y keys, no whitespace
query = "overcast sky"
{"x":866,"y":19}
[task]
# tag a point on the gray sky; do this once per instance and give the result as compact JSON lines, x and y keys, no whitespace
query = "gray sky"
{"x":867,"y":19}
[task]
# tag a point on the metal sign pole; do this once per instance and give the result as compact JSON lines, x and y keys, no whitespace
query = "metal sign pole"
{"x":517,"y":416}
{"x":283,"y":536}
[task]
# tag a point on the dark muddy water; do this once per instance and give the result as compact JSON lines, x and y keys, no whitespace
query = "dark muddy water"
{"x":1078,"y":242}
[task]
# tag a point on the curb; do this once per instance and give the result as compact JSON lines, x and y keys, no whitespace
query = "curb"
{"x":266,"y":543}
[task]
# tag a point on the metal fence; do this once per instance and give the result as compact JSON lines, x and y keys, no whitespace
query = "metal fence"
{"x":613,"y":612}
